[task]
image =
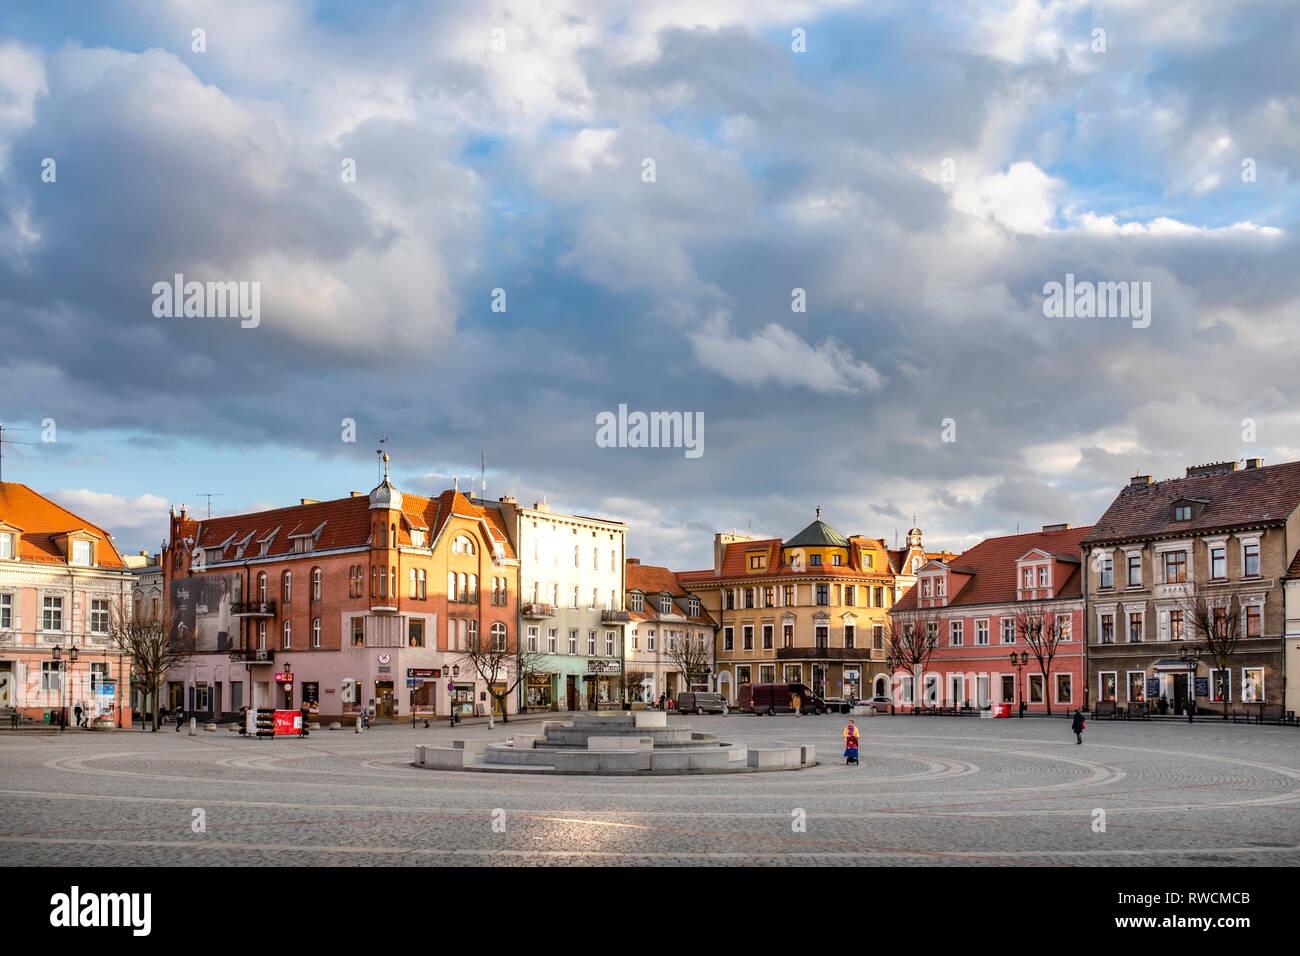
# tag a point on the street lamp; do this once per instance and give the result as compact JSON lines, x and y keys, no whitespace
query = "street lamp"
{"x":57,"y":654}
{"x":1190,"y":656}
{"x":1018,"y":661}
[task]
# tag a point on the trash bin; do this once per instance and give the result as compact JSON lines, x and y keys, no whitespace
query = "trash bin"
{"x":48,"y":717}
{"x":1001,"y":710}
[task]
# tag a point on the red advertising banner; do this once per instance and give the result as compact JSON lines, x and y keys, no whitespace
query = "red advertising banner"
{"x":288,"y":722}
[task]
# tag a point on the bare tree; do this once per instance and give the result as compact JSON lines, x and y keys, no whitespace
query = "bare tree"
{"x":631,"y":681}
{"x":912,"y":639}
{"x":692,"y":658}
{"x":152,"y":644}
{"x":1038,"y":625}
{"x":500,"y":667}
{"x":1213,"y":615}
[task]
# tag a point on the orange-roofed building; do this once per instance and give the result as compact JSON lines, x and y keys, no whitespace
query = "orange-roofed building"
{"x":668,"y":628}
{"x":368,"y":601}
{"x":977,"y":608}
{"x":61,"y":582}
{"x":812,"y":609}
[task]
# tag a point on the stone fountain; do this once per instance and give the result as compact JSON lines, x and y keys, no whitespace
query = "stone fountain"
{"x":637,"y":743}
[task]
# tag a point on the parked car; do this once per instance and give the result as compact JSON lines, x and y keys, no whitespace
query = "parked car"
{"x":881,"y":704}
{"x":838,"y":705}
{"x":700,"y":702}
{"x":772,"y":699}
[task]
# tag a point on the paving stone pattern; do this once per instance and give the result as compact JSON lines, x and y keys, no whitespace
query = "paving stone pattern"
{"x":930,"y":791}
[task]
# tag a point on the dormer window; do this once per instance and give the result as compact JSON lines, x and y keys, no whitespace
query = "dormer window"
{"x":636,"y":601}
{"x":925,"y":587}
{"x":8,"y":545}
{"x":1042,"y":576}
{"x":814,"y":560}
{"x":938,"y":587}
{"x":665,"y":605}
{"x":835,"y":560}
{"x":695,"y":607}
{"x":1182,"y":512}
{"x":1027,"y":579}
{"x":83,"y":553}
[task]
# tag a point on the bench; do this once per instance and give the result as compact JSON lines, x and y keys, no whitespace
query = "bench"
{"x":1105,"y":708}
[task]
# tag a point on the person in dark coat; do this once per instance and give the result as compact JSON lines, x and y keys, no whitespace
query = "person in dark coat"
{"x":76,"y":711}
{"x":1077,"y":726}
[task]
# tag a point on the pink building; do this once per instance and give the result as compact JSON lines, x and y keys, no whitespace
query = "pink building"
{"x":61,"y":582}
{"x":977,"y":608}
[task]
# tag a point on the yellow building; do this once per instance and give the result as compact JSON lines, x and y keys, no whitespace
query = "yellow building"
{"x":813,"y":609}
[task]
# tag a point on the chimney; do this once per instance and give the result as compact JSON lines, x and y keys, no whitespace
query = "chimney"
{"x":1057,"y":527}
{"x":355,"y":494}
{"x":1213,"y":468}
{"x":1139,"y":480}
{"x":308,"y":501}
{"x":634,"y":561}
{"x":508,"y":500}
{"x":1254,"y":462}
{"x":541,"y":506}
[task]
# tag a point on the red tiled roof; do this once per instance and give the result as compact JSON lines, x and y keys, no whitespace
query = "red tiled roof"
{"x":992,"y":566}
{"x":652,"y":579}
{"x":40,"y":521}
{"x":1249,"y":496}
{"x":343,"y":523}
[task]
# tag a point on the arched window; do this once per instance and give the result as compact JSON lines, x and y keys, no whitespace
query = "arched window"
{"x":383,"y":582}
{"x":288,"y":635}
{"x":261,"y":635}
{"x":473,"y":587}
{"x":286,"y":580}
{"x":451,"y":585}
{"x":374,"y":581}
{"x":462,"y":588}
{"x":261,"y":588}
{"x":498,"y":637}
{"x":316,"y":581}
{"x":462,"y":545}
{"x":392,"y":535}
{"x":882,"y":687}
{"x":315,"y":633}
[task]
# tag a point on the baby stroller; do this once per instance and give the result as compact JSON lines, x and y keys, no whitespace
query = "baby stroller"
{"x":851,"y":750}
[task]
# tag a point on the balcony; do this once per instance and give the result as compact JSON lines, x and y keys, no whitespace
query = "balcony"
{"x":535,"y":611}
{"x":253,"y":609}
{"x":823,"y":653}
{"x":242,"y":655}
{"x":615,"y":617}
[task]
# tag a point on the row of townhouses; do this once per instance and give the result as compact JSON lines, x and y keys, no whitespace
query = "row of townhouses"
{"x":409,"y":606}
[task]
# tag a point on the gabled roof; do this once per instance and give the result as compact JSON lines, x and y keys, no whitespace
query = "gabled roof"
{"x":1249,"y":496}
{"x":42,"y":522}
{"x":652,"y":579}
{"x":991,"y":565}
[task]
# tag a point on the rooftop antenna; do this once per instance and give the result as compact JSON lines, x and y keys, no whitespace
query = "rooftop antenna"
{"x":482,"y":476}
{"x":383,"y":457}
{"x":209,"y":495}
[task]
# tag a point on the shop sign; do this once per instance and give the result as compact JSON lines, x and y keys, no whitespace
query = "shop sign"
{"x":1153,"y":687}
{"x":604,"y":667}
{"x":282,"y":678}
{"x":385,"y":670}
{"x":385,"y":658}
{"x":1202,"y":687}
{"x":422,"y":672}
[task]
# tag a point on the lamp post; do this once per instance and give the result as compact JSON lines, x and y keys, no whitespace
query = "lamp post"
{"x":1018,"y":661}
{"x":57,"y":654}
{"x":1190,"y":656}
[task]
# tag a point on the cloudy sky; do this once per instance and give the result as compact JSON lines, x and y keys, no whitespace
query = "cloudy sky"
{"x":920,"y":169}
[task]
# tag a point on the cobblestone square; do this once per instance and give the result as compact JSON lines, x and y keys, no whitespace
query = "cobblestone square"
{"x":930,"y":791}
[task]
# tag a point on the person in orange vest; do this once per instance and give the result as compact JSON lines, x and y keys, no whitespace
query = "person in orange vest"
{"x":851,"y":745}
{"x":796,"y":702}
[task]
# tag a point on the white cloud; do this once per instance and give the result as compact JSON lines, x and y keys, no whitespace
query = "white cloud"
{"x":776,"y":354}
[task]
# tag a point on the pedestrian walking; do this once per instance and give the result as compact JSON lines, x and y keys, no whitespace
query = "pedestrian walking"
{"x":180,"y":717}
{"x":76,"y":712}
{"x":851,"y":745}
{"x":796,"y":702}
{"x":1077,"y":725}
